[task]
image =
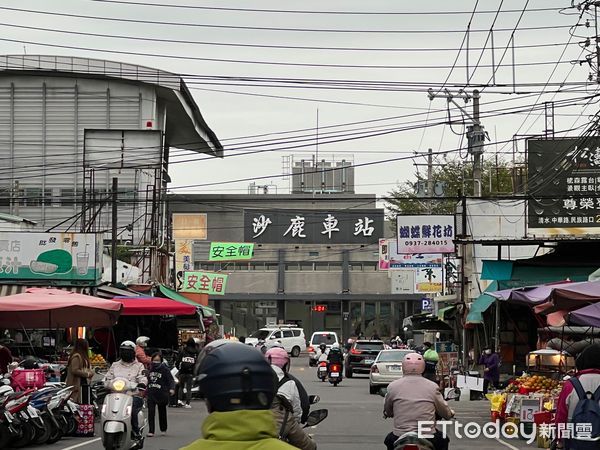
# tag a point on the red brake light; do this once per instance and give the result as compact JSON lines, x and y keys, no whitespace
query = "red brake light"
{"x":410,"y":447}
{"x":355,"y":352}
{"x":310,"y":349}
{"x":374,"y":369}
{"x":335,"y":368}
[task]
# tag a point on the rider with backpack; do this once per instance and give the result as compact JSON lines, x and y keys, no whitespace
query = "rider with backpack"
{"x":578,"y":406}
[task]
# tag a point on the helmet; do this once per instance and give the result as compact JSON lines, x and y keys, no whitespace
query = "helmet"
{"x":413,"y":364}
{"x":208,"y":348}
{"x":278,"y":357}
{"x":323,"y":346}
{"x":127,"y":351}
{"x":236,"y":377}
{"x":142,"y":341}
{"x":335,"y":346}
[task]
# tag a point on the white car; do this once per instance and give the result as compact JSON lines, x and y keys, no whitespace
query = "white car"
{"x":290,"y":338}
{"x":386,"y":368}
{"x":320,"y":337}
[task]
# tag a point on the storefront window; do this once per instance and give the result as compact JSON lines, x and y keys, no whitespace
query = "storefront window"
{"x":385,"y":320}
{"x":370,"y":319}
{"x":356,"y":318}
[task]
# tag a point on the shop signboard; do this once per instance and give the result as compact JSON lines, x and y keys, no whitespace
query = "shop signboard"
{"x":56,"y":257}
{"x":210,"y":283}
{"x":230,"y":251}
{"x":296,"y":226}
{"x":563,"y":186}
{"x":186,"y":229}
{"x":183,"y":255}
{"x":425,"y":234}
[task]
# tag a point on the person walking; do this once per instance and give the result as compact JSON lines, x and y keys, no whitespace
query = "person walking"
{"x":185,"y":366}
{"x":79,"y":371}
{"x":490,"y":360}
{"x":161,"y":385}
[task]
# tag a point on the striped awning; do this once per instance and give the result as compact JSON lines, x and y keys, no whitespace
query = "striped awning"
{"x":13,"y":289}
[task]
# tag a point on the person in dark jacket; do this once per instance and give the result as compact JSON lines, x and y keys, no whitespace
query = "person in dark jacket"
{"x":185,"y":365}
{"x":490,"y":360}
{"x":161,"y":385}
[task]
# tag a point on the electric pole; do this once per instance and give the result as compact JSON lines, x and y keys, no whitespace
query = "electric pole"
{"x":113,"y":247}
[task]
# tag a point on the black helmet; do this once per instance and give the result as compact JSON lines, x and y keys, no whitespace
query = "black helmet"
{"x":323,"y":346}
{"x":234,"y":377}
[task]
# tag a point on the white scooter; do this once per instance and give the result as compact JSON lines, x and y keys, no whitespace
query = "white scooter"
{"x":115,"y":419}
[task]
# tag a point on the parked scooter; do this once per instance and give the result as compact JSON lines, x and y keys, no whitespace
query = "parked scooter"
{"x":322,"y":371}
{"x":335,"y":373}
{"x":117,"y":432}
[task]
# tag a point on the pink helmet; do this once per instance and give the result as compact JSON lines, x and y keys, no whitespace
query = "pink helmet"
{"x":278,"y":357}
{"x":413,"y":364}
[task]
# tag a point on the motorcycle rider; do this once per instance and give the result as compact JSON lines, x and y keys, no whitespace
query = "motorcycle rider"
{"x":239,"y":386}
{"x":140,"y":351}
{"x":335,"y":356}
{"x":129,"y":368}
{"x":322,"y":352}
{"x":287,"y":406}
{"x":413,"y":399}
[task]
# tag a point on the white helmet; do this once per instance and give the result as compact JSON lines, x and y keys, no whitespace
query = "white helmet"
{"x":127,"y":344}
{"x":142,"y":341}
{"x":335,"y":345}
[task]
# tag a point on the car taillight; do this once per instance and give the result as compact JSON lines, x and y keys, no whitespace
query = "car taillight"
{"x":355,"y":352}
{"x":310,"y":349}
{"x":374,"y":369}
{"x":410,"y":447}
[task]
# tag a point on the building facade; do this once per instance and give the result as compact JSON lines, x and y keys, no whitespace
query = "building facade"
{"x":321,"y":275}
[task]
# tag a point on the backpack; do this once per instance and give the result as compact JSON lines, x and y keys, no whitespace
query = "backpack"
{"x":586,"y":414}
{"x":187,"y":362}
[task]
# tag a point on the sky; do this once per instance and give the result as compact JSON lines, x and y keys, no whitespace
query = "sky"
{"x":393,"y":45}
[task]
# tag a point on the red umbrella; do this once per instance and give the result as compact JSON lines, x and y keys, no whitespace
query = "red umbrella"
{"x":56,"y":308}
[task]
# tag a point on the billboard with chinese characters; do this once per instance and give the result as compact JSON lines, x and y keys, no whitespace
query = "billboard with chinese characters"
{"x":204,"y":283}
{"x":425,"y":234}
{"x":56,"y":257}
{"x":230,"y":251}
{"x":183,"y":255}
{"x":563,"y":186}
{"x":313,"y":227}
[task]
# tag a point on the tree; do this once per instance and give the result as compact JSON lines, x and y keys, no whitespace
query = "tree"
{"x":456,"y":177}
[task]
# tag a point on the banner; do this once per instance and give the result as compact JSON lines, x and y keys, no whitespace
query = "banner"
{"x":204,"y":283}
{"x":184,"y":255}
{"x":425,"y":234}
{"x":230,"y":251}
{"x":50,"y":256}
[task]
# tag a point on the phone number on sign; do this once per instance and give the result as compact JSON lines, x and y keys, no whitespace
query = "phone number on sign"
{"x":414,"y":243}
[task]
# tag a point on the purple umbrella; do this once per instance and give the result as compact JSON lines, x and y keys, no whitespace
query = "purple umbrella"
{"x":588,"y":315}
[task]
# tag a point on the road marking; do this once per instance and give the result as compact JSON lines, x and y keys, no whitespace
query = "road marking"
{"x":85,"y":443}
{"x":506,"y":444}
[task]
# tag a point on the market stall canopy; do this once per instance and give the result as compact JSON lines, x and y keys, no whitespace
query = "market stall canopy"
{"x":530,"y":295}
{"x":588,"y":315}
{"x":207,"y":311}
{"x":56,"y":308}
{"x":481,"y":304}
{"x":153,"y":306}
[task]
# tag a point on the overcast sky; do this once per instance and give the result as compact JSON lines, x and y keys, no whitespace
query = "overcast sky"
{"x":241,"y":115}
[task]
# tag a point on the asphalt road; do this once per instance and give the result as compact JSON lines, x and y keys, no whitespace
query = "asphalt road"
{"x":355,"y":420}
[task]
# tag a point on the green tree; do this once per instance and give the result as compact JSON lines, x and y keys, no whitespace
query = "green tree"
{"x":456,"y":176}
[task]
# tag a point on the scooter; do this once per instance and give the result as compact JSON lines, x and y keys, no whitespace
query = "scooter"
{"x":322,"y":371}
{"x":335,"y":373}
{"x":117,"y":432}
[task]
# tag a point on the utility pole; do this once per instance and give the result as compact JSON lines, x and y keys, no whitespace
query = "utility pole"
{"x":430,"y":179}
{"x":113,"y":248}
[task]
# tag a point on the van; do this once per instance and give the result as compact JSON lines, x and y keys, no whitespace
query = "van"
{"x":292,"y":339}
{"x":320,"y":337}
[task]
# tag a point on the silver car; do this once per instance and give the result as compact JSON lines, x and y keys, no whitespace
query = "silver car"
{"x":386,"y":368}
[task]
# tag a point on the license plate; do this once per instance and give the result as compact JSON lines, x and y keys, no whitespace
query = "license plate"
{"x":335,"y":375}
{"x":395,"y":368}
{"x":322,"y":369}
{"x":369,"y":361}
{"x":8,"y":416}
{"x":33,"y":413}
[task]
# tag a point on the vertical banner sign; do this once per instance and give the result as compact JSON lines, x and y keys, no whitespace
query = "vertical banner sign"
{"x":186,"y":229}
{"x":425,"y":234}
{"x":204,"y":283}
{"x":183,"y":255}
{"x":230,"y":251}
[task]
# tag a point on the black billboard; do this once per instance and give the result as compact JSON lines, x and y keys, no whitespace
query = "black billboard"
{"x":563,"y":182}
{"x":313,"y":227}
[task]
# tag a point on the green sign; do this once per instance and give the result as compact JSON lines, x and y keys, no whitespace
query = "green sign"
{"x":204,"y":283}
{"x":230,"y":251}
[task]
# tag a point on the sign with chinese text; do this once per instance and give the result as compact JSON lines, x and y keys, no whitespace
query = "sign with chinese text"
{"x":204,"y":283}
{"x":230,"y":251}
{"x":563,"y":185}
{"x":183,"y":255}
{"x":50,"y":256}
{"x":425,"y":234}
{"x":313,"y":227}
{"x":427,"y":269}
